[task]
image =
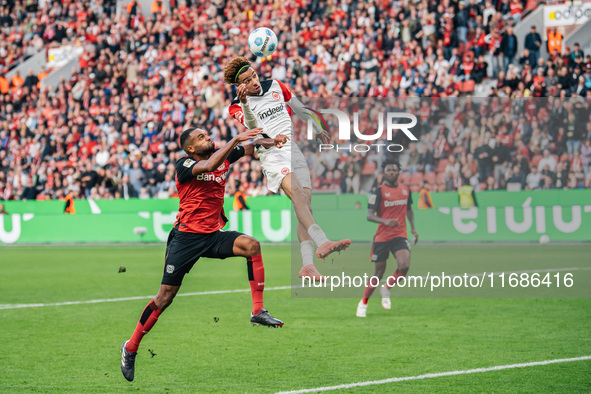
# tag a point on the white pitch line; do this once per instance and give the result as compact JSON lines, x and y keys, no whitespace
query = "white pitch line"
{"x":19,"y":306}
{"x":437,"y":375}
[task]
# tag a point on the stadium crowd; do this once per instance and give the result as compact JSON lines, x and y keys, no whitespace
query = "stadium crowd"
{"x":111,"y":130}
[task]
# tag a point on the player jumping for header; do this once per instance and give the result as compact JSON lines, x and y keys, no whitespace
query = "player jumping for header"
{"x":264,"y":104}
{"x":389,"y":205}
{"x":200,"y":181}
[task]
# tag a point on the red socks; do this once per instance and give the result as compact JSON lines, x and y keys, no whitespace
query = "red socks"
{"x":147,"y":321}
{"x":256,"y":278}
{"x":390,"y":281}
{"x":367,"y":293}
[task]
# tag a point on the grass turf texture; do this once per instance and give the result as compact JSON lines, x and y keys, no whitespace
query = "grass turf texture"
{"x":75,"y":348}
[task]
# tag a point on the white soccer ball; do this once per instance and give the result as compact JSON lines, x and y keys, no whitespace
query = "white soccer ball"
{"x":262,"y":42}
{"x":544,"y":239}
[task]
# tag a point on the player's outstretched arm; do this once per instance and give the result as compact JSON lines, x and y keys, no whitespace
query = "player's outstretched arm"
{"x":218,"y":157}
{"x":266,"y":143}
{"x":304,"y":113}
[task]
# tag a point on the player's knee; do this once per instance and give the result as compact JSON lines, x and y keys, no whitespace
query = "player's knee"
{"x":403,"y":266}
{"x":253,"y":248}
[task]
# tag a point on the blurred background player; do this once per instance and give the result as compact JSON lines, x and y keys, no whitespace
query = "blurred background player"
{"x":240,"y":199}
{"x":389,"y":205}
{"x":201,"y":180}
{"x":264,"y":104}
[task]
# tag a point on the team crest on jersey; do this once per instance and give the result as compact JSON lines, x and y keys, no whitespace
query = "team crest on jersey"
{"x":188,"y":163}
{"x":275,"y":95}
{"x":239,"y":115}
{"x":285,"y":171}
{"x":405,"y":192}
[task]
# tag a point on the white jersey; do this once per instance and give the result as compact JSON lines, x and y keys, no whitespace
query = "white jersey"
{"x":271,"y":113}
{"x":269,"y":109}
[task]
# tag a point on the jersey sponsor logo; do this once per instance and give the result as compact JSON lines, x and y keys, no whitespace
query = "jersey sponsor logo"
{"x":285,"y":171}
{"x":188,"y":163}
{"x":211,"y":177}
{"x":169,"y":269}
{"x":387,"y":194}
{"x":276,"y":96}
{"x":394,"y":203}
{"x":271,"y":111}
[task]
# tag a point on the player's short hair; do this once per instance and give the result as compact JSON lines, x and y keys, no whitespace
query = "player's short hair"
{"x":234,"y":68}
{"x":390,"y":162}
{"x":185,"y":136}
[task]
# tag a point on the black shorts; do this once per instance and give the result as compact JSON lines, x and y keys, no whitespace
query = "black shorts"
{"x":184,"y":249}
{"x":381,"y":250}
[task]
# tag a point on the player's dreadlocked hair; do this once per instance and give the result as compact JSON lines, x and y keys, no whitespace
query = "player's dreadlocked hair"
{"x":234,"y":68}
{"x":185,"y":135}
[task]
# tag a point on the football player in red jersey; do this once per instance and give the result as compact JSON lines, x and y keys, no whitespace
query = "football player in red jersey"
{"x":197,"y":232}
{"x":389,"y":205}
{"x":264,"y":104}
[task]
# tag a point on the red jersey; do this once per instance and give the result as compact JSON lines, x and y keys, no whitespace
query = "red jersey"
{"x":390,"y":203}
{"x":201,"y":206}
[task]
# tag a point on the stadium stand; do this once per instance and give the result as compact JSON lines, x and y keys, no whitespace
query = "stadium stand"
{"x":111,"y":130}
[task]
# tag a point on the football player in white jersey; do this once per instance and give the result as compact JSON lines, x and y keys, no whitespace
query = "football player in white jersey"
{"x":264,"y":104}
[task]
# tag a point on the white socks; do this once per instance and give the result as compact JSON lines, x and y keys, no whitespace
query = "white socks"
{"x":317,"y":234}
{"x":307,"y":248}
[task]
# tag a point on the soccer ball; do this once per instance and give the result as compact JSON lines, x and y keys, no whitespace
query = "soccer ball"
{"x":544,"y":239}
{"x":262,"y":42}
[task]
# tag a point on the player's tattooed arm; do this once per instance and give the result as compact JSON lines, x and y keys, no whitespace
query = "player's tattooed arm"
{"x":219,"y":156}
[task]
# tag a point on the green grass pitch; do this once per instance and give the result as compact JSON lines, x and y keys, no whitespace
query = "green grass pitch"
{"x":204,"y":343}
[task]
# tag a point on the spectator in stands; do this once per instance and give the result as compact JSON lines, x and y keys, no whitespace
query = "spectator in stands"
{"x":426,"y":160}
{"x":533,"y":179}
{"x":508,"y":47}
{"x":126,"y":189}
{"x":548,"y":162}
{"x":533,"y":43}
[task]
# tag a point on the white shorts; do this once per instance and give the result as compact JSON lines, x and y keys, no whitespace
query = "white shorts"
{"x":277,"y":163}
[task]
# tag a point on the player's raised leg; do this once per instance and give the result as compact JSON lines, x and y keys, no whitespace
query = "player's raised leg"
{"x":251,"y":249}
{"x":307,"y":247}
{"x":294,"y":190}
